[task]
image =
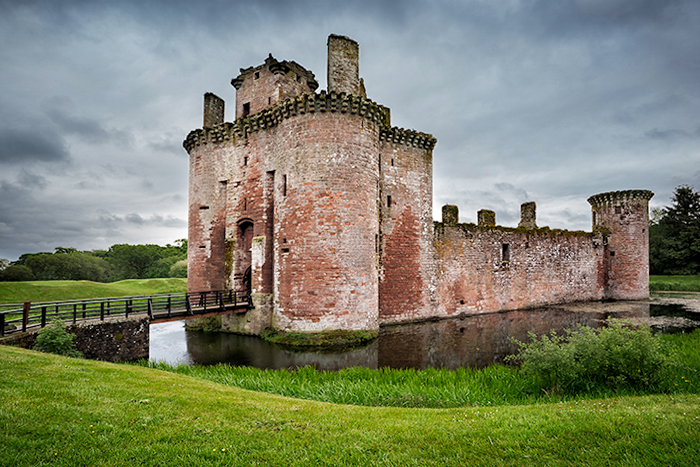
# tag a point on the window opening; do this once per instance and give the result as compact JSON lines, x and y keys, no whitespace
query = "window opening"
{"x":618,"y":209}
{"x":257,"y":74}
{"x":505,"y":252}
{"x":245,"y":160}
{"x":204,"y":207}
{"x":245,"y":204}
{"x":246,"y":109}
{"x":388,"y":201}
{"x":392,"y":162}
{"x":284,"y":185}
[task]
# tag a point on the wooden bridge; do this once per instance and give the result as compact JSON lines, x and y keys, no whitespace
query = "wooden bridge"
{"x":160,"y":308}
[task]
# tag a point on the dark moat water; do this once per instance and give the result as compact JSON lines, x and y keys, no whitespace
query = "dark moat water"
{"x":473,"y":341}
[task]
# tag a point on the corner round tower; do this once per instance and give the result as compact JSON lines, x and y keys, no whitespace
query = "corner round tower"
{"x":623,"y":217}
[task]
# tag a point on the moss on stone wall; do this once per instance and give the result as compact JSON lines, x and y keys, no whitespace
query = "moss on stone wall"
{"x":335,"y":339}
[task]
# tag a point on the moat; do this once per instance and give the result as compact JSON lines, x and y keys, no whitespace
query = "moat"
{"x":474,"y":341}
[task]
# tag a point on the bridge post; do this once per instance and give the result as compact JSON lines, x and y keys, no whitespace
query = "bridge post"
{"x":102,"y":311}
{"x":2,"y":324}
{"x":43,"y":316}
{"x":150,"y":307}
{"x":25,"y":315}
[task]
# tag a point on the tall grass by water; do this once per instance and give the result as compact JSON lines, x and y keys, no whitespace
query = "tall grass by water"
{"x":438,"y":388}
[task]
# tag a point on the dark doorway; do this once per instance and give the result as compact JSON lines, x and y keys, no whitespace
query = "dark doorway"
{"x":244,"y":241}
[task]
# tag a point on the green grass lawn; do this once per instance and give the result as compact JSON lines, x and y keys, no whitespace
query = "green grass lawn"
{"x":675,"y":283}
{"x":61,"y":411}
{"x":44,"y":291}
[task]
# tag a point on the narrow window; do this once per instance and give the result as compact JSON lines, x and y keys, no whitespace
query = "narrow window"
{"x":269,"y":100}
{"x":257,"y":74}
{"x":392,"y":162}
{"x":612,"y":253}
{"x":284,"y":185}
{"x":245,"y":204}
{"x":618,"y":209}
{"x":246,"y":109}
{"x":204,"y":207}
{"x":388,"y":201}
{"x":505,"y":252}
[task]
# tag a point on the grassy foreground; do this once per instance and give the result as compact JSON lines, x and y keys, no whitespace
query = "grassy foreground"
{"x":45,"y":291}
{"x":61,"y":411}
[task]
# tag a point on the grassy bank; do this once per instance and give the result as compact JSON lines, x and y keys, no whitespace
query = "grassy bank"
{"x":44,"y":291}
{"x":61,"y":411}
{"x":675,"y":283}
{"x":434,"y":388}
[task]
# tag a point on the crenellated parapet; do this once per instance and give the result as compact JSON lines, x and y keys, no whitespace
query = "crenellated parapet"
{"x":411,"y":138}
{"x":310,"y":103}
{"x":616,"y":196}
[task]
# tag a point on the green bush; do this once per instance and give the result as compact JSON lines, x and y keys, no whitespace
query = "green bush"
{"x":55,"y":339}
{"x":618,"y":355}
{"x":16,"y":274}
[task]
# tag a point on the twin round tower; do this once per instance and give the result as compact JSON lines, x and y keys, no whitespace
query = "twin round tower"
{"x":321,"y":209}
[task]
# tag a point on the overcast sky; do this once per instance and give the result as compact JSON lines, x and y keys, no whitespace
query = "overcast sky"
{"x":545,"y":101}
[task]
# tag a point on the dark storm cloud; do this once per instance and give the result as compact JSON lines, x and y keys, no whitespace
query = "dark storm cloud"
{"x":19,"y":146}
{"x":89,"y":130}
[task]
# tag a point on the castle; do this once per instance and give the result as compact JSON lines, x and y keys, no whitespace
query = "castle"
{"x":323,"y":210}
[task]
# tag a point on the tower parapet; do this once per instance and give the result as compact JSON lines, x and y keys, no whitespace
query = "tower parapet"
{"x":623,"y":216}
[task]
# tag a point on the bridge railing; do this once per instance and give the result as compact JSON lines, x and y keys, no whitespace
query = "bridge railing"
{"x":27,"y":315}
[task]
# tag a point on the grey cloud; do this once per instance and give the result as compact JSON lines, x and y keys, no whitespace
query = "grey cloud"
{"x":671,"y":134}
{"x":90,"y":131}
{"x":40,"y":145}
{"x":32,"y":180}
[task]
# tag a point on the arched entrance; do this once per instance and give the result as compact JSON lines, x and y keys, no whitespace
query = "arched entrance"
{"x":244,"y":241}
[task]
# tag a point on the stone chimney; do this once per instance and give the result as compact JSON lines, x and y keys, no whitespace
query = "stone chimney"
{"x":450,"y":215}
{"x":527,"y":215}
{"x":213,"y":110}
{"x":343,"y":65}
{"x":486,"y":218}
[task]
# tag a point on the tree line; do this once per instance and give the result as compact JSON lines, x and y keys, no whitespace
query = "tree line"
{"x":674,"y":235}
{"x":119,"y":262}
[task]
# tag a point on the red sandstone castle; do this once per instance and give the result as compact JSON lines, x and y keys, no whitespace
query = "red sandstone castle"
{"x":323,"y":210}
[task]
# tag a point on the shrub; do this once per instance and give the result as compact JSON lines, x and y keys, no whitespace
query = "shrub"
{"x":55,"y":339}
{"x":620,"y":354}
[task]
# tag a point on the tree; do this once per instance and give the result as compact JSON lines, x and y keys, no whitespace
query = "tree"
{"x":17,"y":273}
{"x":674,"y":235}
{"x":134,"y":261}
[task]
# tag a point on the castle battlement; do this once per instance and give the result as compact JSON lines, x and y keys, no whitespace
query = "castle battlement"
{"x":304,"y":104}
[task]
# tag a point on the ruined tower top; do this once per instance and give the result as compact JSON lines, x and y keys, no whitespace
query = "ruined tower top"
{"x":343,"y":65}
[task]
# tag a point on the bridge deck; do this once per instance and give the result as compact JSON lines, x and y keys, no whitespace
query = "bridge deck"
{"x":160,"y":308}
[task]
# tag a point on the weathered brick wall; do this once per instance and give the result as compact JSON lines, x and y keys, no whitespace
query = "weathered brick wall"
{"x":483,"y":269}
{"x":207,"y":219}
{"x":266,"y":85}
{"x":624,"y":215}
{"x":326,"y":224}
{"x":406,"y":232}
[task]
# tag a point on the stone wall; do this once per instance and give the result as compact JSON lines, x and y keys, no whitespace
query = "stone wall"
{"x":111,"y":340}
{"x":490,"y":268}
